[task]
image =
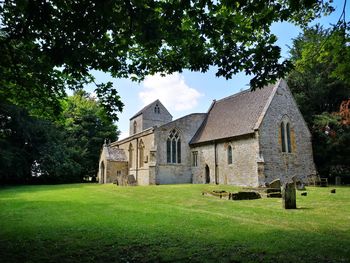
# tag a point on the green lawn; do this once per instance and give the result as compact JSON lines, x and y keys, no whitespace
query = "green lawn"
{"x":106,"y":223}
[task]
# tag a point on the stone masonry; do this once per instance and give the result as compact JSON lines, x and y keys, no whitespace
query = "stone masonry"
{"x":239,"y":141}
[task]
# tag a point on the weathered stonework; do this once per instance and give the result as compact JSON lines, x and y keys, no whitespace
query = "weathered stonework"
{"x":247,"y":123}
{"x":244,"y":168}
{"x":278,"y":164}
{"x":180,"y":172}
{"x":154,"y":114}
{"x":138,"y":166}
{"x":111,"y":165}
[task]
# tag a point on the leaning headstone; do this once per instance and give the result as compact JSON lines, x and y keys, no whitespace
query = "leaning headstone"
{"x":289,"y":196}
{"x":274,"y":184}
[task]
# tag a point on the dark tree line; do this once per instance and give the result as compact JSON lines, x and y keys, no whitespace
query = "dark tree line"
{"x":63,"y":148}
{"x":320,"y":81}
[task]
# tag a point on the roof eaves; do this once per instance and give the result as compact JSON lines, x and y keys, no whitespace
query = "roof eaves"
{"x":143,"y":109}
{"x":200,"y":130}
{"x":223,"y":139}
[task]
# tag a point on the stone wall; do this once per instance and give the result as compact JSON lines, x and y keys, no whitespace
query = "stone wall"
{"x":139,"y":125}
{"x":278,"y":164}
{"x":113,"y":168}
{"x":137,"y":167}
{"x":168,"y":173}
{"x":244,"y":168}
{"x":152,"y":118}
{"x":108,"y":170}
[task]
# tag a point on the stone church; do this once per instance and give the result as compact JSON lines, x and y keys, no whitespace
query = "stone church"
{"x":247,"y":139}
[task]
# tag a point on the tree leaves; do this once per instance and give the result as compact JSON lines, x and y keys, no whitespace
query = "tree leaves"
{"x":319,"y":86}
{"x":62,"y":41}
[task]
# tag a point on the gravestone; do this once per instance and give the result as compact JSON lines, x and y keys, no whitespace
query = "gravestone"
{"x":274,"y":195}
{"x":273,"y":192}
{"x":131,"y":180}
{"x":337,"y":180}
{"x":289,"y":196}
{"x":333,"y":191}
{"x":245,"y":196}
{"x":274,"y":184}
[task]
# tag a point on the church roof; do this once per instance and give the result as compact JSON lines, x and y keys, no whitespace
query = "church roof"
{"x":115,"y":154}
{"x":147,"y":107}
{"x":235,"y":115}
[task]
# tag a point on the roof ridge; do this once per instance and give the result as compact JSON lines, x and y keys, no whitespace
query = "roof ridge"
{"x":267,"y":104}
{"x":144,"y":108}
{"x":234,"y":95}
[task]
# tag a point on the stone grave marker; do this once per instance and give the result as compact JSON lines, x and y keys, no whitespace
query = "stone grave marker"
{"x":289,"y":196}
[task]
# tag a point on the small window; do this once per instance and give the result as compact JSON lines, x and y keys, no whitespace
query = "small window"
{"x":286,"y":137}
{"x":289,"y":146}
{"x":130,"y":155}
{"x":157,"y":109}
{"x":141,"y":150}
{"x":283,"y":139}
{"x":119,"y":173}
{"x":229,"y":154}
{"x":195,"y":159}
{"x":135,"y":127}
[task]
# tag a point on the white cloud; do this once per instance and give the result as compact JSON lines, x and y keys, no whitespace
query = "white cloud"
{"x":123,"y":135}
{"x":171,"y":90}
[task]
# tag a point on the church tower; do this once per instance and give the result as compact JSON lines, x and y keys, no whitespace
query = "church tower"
{"x":154,"y":114}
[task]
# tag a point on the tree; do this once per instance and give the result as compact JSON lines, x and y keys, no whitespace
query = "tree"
{"x":87,"y":126}
{"x":67,"y":150}
{"x":16,"y":148}
{"x":320,"y":82}
{"x":49,"y":45}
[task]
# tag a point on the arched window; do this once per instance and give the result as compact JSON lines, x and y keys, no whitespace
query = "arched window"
{"x":289,"y":146}
{"x":173,"y":147}
{"x":156,"y":109}
{"x":286,"y":137}
{"x":229,"y":154}
{"x":134,"y":127}
{"x":141,"y":153}
{"x":283,"y":138}
{"x":130,"y":155}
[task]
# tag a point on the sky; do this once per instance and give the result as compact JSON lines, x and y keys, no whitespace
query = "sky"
{"x":192,"y":92}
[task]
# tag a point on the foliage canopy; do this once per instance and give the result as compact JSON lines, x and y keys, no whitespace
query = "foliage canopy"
{"x":65,"y":150}
{"x":320,"y":82}
{"x":49,"y":45}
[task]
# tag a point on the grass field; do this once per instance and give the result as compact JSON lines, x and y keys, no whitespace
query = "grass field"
{"x":175,"y":223}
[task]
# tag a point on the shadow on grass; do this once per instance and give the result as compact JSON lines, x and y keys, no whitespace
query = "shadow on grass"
{"x":55,"y":231}
{"x":43,"y":187}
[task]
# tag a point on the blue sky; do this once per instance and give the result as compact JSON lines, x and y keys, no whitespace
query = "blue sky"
{"x":191,"y":92}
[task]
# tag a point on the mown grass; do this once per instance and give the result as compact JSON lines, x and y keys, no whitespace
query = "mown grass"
{"x":175,"y":223}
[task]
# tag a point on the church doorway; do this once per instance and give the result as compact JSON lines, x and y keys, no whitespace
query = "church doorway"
{"x":207,"y":174}
{"x":102,"y":173}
